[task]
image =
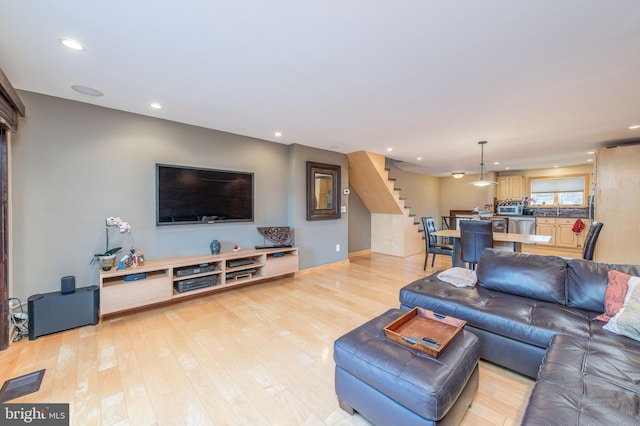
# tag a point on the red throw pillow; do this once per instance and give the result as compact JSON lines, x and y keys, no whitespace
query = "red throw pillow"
{"x":614,"y":295}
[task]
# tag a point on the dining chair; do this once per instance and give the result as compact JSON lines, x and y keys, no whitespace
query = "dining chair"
{"x":432,"y":246}
{"x":475,"y":236}
{"x":447,"y":224}
{"x":590,"y":240}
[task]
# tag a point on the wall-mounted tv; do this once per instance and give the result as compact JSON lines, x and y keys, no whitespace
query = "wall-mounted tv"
{"x":190,"y":195}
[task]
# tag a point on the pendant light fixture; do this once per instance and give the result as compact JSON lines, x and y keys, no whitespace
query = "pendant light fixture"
{"x":482,"y":182}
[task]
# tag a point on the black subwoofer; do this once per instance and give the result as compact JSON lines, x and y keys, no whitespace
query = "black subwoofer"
{"x":53,"y":312}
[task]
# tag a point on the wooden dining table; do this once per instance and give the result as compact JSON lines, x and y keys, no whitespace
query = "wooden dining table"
{"x":501,"y":240}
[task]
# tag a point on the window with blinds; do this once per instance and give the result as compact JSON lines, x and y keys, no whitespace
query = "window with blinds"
{"x":558,"y":191}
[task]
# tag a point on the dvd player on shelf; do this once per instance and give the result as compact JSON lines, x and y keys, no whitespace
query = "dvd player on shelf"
{"x":194,"y":269}
{"x":245,"y":273}
{"x":274,"y":246}
{"x":135,"y":277}
{"x":239,"y":262}
{"x":195,"y":283}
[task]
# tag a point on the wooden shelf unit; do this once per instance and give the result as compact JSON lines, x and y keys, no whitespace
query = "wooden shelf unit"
{"x":117,"y":295}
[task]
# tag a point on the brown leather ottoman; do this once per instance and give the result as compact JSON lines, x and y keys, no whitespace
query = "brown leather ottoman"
{"x":391,"y":384}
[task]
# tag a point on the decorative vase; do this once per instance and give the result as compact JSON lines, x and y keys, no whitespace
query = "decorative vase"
{"x":215,"y":247}
{"x":107,"y":262}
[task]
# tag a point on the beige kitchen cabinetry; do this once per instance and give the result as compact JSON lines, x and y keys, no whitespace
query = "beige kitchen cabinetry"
{"x":565,"y":237}
{"x":511,"y":188}
{"x":167,"y":280}
{"x":561,"y":232}
{"x":546,"y":226}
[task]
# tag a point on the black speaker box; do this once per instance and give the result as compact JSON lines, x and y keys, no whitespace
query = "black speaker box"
{"x":53,"y":312}
{"x":67,"y":284}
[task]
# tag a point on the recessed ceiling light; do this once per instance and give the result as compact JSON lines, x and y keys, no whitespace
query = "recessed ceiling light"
{"x":389,"y":149}
{"x":277,"y":134}
{"x":507,"y":168}
{"x":591,"y":152}
{"x":72,"y":44}
{"x":86,"y":90}
{"x":496,"y":163}
{"x":635,"y":126}
{"x":419,"y":158}
{"x":155,"y":105}
{"x":590,"y":159}
{"x":555,"y":167}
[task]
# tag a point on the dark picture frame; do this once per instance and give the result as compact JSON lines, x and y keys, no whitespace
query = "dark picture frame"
{"x":323,"y":186}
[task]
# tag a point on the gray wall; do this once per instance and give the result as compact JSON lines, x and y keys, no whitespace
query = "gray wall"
{"x":317,"y":239}
{"x":74,"y":164}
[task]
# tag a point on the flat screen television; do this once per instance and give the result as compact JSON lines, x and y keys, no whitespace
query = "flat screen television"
{"x":190,"y":195}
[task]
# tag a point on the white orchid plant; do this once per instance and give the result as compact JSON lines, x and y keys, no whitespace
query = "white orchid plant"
{"x":122,"y":227}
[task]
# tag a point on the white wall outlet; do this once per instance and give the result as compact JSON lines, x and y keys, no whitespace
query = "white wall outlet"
{"x":343,"y":209}
{"x":337,"y":247}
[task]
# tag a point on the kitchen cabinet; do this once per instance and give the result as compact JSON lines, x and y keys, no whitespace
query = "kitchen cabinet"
{"x":511,"y":188}
{"x":561,"y":232}
{"x":565,"y":237}
{"x":546,"y":226}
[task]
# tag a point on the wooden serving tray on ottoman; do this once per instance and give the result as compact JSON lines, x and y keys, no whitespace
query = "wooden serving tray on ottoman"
{"x":424,"y":330}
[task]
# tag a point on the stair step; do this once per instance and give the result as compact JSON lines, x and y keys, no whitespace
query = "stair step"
{"x":407,"y":207}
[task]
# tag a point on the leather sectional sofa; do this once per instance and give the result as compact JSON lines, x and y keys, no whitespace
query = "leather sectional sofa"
{"x":536,"y":315}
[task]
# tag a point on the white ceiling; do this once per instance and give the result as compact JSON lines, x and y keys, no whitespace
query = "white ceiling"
{"x":543,"y":81}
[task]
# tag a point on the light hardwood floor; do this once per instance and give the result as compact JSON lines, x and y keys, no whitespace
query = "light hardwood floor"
{"x":259,"y":355}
